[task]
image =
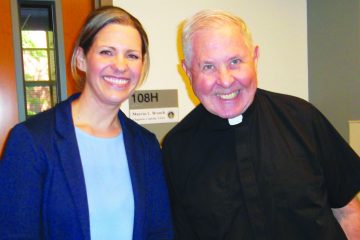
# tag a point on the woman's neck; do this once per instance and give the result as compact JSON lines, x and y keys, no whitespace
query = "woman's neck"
{"x":95,"y":120}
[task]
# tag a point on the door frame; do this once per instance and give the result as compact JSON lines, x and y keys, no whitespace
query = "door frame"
{"x":18,"y":59}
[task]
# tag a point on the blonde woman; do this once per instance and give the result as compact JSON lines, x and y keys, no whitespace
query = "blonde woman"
{"x":83,"y":169}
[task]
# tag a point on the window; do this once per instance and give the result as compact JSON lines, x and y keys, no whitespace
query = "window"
{"x":38,"y":53}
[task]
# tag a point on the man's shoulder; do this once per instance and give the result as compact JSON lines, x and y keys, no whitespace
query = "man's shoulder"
{"x":290,"y":109}
{"x":190,"y":122}
{"x":285,"y":102}
{"x":282,"y":97}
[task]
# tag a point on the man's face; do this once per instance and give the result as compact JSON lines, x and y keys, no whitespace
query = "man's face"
{"x":222,"y":71}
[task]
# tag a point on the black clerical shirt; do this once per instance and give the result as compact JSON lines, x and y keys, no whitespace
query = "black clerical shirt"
{"x":276,"y":175}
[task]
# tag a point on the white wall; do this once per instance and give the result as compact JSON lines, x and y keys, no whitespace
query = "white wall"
{"x":279,"y":27}
{"x":354,"y":135}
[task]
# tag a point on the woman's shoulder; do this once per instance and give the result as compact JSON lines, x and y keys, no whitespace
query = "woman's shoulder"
{"x":43,"y":124}
{"x":135,"y":130}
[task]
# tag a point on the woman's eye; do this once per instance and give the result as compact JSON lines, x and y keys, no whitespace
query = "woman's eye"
{"x":133,"y":56}
{"x":106,"y":52}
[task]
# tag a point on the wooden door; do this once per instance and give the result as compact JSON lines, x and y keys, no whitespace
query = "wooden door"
{"x":74,"y":14}
{"x":8,"y":97}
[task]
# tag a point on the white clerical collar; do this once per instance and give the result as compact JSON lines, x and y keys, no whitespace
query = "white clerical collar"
{"x":235,"y":120}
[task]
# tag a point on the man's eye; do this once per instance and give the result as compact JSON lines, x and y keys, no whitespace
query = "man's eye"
{"x":235,"y":61}
{"x":208,"y":67}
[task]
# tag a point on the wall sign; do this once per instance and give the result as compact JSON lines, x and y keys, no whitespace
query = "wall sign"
{"x":154,"y":106}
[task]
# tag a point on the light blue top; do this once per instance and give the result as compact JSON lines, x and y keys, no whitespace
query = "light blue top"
{"x":108,"y":186}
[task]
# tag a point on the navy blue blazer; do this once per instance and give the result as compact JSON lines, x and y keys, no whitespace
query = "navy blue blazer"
{"x":42,"y":186}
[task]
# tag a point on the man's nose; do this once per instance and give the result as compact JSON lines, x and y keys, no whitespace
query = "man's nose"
{"x":225,"y":78}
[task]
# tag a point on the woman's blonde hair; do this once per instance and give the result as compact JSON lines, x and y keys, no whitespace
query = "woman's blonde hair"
{"x":97,"y":20}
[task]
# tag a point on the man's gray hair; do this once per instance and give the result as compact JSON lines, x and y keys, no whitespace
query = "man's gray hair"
{"x":210,"y":19}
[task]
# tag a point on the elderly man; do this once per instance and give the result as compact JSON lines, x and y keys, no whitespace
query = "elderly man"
{"x":248,"y":163}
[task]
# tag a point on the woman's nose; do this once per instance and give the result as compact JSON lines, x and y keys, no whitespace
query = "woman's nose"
{"x":120,"y":64}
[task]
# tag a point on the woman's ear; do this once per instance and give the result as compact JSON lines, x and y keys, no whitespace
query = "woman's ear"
{"x":80,"y":59}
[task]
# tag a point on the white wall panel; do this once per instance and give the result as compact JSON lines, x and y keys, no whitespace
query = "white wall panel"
{"x":279,"y":27}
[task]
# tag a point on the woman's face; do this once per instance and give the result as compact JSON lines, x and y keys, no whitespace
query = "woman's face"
{"x":113,"y":64}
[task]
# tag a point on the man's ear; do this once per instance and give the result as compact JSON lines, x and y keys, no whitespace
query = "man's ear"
{"x":256,"y":54}
{"x":187,"y":70}
{"x":80,"y":59}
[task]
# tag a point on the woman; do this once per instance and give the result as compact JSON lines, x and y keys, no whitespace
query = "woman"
{"x":83,"y":169}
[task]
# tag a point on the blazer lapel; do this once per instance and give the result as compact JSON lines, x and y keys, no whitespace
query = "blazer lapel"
{"x":71,"y":162}
{"x":136,"y":158}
